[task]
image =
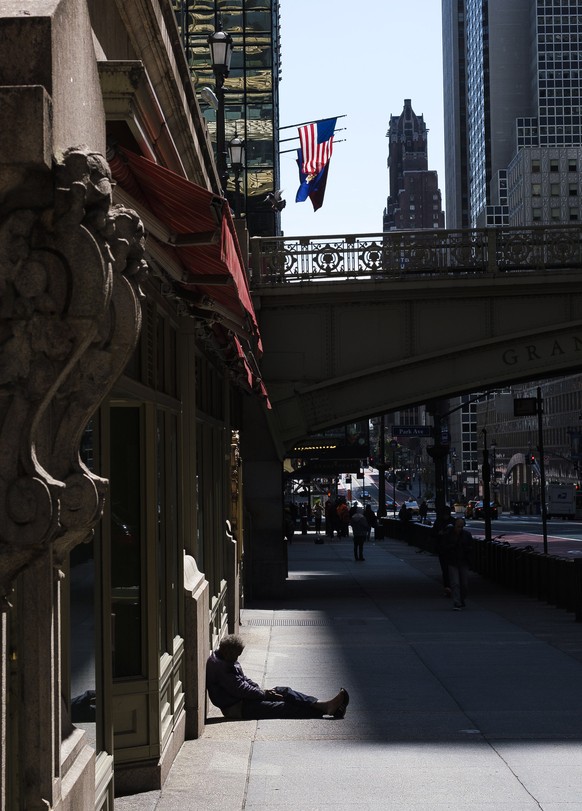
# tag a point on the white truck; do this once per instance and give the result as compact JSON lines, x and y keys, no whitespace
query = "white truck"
{"x":561,"y":501}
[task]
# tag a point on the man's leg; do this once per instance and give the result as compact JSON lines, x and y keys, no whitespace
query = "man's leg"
{"x":293,"y":705}
{"x":445,"y":574}
{"x":455,"y":584}
{"x":464,"y":582}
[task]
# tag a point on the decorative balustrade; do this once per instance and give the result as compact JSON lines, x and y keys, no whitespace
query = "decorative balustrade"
{"x":414,"y":254}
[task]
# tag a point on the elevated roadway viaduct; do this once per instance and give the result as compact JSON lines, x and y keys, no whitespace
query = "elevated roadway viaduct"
{"x":359,"y":326}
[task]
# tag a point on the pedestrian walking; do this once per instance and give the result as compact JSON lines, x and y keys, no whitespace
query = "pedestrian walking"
{"x":371,"y":518}
{"x":317,"y":511}
{"x":330,"y":517}
{"x":343,"y":514}
{"x":458,"y":551}
{"x":360,"y":529}
{"x":440,"y":528}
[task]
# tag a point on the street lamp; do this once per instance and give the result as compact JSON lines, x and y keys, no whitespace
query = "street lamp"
{"x":486,"y":474}
{"x":236,"y":156}
{"x":493,"y":447}
{"x":394,"y":445}
{"x":220,"y":44}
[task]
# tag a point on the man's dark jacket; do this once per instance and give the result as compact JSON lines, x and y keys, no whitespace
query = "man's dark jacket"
{"x":227,"y":684}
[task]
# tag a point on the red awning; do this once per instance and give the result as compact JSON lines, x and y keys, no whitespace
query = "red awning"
{"x":194,"y":216}
{"x":201,"y":239}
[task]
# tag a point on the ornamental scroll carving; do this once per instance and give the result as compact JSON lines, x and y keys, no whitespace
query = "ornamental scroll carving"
{"x":70,"y":318}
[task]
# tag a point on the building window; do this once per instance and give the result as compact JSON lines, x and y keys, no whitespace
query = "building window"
{"x":573,"y":214}
{"x":555,"y":214}
{"x":554,"y":166}
{"x":535,"y":165}
{"x":573,"y":189}
{"x":127,"y":541}
{"x":555,"y":189}
{"x":536,"y":189}
{"x":572,"y":165}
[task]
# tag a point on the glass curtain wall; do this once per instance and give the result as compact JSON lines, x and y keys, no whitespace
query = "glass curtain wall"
{"x":251,"y":105}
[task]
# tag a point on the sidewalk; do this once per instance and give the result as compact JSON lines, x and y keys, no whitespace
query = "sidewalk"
{"x":478,"y":710}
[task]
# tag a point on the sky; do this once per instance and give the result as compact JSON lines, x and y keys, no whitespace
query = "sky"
{"x":336,"y":63}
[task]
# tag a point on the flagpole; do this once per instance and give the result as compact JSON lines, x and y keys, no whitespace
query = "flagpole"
{"x":317,"y":121}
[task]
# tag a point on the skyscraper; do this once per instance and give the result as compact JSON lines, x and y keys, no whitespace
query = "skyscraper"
{"x":512,"y":96}
{"x":251,"y":91}
{"x":414,"y":201}
{"x":512,"y":75}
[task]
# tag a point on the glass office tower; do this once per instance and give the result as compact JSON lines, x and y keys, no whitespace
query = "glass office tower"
{"x":512,"y":74}
{"x":512,"y":90}
{"x":251,"y":92}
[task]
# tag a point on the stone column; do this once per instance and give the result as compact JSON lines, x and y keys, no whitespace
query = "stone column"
{"x":197,"y":647}
{"x":265,"y":561}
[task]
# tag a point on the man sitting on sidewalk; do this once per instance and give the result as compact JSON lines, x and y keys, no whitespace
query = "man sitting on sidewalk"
{"x":238,"y":697}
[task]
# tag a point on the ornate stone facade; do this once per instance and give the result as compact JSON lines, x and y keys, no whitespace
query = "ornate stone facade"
{"x":69,"y":276}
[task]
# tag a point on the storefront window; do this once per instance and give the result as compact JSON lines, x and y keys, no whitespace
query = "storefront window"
{"x":83,"y":614}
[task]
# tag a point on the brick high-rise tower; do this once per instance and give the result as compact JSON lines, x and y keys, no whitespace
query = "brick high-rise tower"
{"x":414,"y":201}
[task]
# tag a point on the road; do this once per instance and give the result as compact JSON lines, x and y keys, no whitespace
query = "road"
{"x":564,"y":537}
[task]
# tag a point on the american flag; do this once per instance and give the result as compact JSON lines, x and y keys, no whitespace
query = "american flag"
{"x":316,"y":145}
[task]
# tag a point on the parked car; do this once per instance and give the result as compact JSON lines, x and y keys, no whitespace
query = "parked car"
{"x":392,"y":506}
{"x":479,"y":510}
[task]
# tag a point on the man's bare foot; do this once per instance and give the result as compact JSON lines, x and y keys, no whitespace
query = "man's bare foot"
{"x":338,"y":704}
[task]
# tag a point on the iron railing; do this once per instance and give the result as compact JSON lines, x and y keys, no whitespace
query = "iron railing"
{"x":557,"y":580}
{"x":414,"y":254}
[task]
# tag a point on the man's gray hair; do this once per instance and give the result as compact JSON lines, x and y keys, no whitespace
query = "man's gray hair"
{"x":233,"y":643}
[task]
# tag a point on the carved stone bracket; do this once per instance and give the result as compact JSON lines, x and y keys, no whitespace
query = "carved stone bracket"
{"x":70,"y":318}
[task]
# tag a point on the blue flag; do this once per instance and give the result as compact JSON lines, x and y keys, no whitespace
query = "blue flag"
{"x":313,"y":160}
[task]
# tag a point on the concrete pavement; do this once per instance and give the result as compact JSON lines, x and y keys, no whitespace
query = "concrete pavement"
{"x":478,"y":710}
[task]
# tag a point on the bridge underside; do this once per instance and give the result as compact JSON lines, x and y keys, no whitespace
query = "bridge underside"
{"x":342,"y":351}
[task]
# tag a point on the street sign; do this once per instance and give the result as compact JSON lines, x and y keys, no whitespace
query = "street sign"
{"x":411,"y":430}
{"x":525,"y":407}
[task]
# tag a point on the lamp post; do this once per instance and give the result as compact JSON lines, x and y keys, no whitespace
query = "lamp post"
{"x":220,"y":44}
{"x":394,"y":445}
{"x":382,"y":468}
{"x":493,"y":447}
{"x":486,"y":473}
{"x":236,"y":156}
